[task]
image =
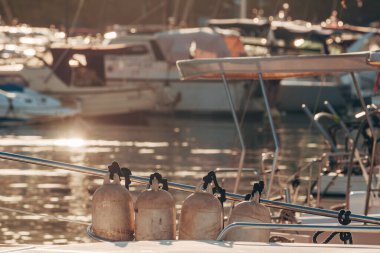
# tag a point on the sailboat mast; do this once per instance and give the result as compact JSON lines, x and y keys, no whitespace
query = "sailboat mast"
{"x":243,"y":8}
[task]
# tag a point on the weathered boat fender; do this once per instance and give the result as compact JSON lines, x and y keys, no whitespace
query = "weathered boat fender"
{"x":155,"y":212}
{"x":112,"y":211}
{"x":201,"y":215}
{"x":250,"y":211}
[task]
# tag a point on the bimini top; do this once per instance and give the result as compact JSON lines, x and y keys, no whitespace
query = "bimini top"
{"x":278,"y":67}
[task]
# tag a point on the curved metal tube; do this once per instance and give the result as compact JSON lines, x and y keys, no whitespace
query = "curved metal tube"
{"x":321,"y":115}
{"x":317,"y":211}
{"x":319,"y":126}
{"x":237,"y":125}
{"x":298,"y":227}
{"x":333,"y":112}
{"x":183,"y":187}
{"x":274,"y":134}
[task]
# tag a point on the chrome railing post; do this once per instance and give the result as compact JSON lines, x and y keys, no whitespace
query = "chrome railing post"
{"x":238,"y":129}
{"x":274,"y":134}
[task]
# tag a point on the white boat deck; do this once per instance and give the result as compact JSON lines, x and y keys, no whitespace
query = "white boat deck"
{"x":194,"y":246}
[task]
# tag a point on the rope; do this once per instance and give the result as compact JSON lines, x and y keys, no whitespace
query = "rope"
{"x":257,"y":187}
{"x":165,"y":185}
{"x":155,"y":175}
{"x":160,"y":179}
{"x":114,"y":168}
{"x":218,"y":191}
{"x":44,"y":216}
{"x":208,"y":179}
{"x":126,"y":173}
{"x":345,"y":237}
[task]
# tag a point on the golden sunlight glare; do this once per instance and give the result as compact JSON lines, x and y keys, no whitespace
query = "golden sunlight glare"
{"x":72,"y":142}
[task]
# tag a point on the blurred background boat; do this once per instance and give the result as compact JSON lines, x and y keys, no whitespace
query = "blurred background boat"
{"x":88,"y":70}
{"x":19,"y":104}
{"x":263,"y":36}
{"x":158,"y":65}
{"x":132,"y":74}
{"x":77,"y":75}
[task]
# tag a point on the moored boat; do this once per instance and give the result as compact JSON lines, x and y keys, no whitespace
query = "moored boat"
{"x":79,"y":74}
{"x":158,"y":66}
{"x":20,"y":104}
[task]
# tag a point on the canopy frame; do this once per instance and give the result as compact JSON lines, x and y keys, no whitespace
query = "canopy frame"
{"x":272,"y":68}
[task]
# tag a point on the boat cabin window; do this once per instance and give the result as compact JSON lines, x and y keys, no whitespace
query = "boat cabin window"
{"x":81,"y":73}
{"x":85,"y":65}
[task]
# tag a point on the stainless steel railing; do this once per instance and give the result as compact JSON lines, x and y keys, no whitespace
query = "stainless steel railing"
{"x":183,"y":187}
{"x":298,"y":227}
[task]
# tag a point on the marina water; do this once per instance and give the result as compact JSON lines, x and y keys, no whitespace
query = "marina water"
{"x":182,"y":148}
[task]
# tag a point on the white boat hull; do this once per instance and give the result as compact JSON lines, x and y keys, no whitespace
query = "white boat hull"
{"x":95,"y":101}
{"x":195,"y":246}
{"x":21,"y":104}
{"x":110,"y":102}
{"x":211,"y":97}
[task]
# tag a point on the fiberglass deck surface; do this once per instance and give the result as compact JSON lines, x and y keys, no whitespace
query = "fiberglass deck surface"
{"x":192,"y":246}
